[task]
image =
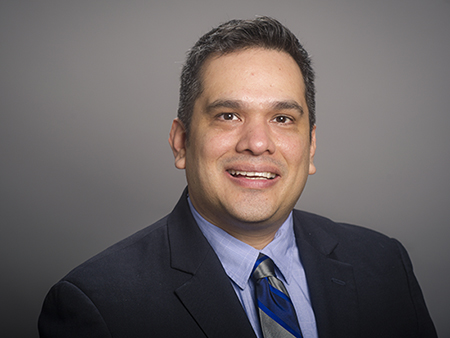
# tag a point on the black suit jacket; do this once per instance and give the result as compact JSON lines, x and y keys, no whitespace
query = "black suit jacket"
{"x":166,"y":281}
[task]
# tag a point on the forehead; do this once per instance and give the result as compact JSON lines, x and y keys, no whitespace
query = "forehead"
{"x":255,"y":72}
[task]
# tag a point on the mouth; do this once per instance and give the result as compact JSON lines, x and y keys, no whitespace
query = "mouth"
{"x":252,"y":175}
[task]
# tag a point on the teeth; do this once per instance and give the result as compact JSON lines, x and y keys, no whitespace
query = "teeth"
{"x":253,"y":175}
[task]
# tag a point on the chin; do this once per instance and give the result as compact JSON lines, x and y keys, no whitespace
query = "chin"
{"x":253,"y":214}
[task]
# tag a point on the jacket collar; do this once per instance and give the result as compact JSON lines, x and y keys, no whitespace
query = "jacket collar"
{"x":188,"y":246}
{"x":331,"y":282}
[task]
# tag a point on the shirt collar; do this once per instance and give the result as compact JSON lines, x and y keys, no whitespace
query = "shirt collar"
{"x":238,"y":258}
{"x":283,"y":248}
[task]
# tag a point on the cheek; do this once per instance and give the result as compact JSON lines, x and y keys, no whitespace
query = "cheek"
{"x":292,"y":145}
{"x":207,"y":150}
{"x":295,"y":150}
{"x":217,"y":145}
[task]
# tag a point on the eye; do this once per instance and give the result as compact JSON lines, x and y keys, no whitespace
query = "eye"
{"x":228,"y":116}
{"x":283,"y":119}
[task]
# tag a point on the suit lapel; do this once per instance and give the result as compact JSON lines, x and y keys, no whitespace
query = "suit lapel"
{"x":208,"y":295}
{"x":211,"y":300}
{"x":331,"y":282}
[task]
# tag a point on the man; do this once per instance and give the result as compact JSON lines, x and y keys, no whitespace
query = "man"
{"x":245,"y":135}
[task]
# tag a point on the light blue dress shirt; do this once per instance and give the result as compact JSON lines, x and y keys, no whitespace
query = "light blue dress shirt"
{"x":238,"y":258}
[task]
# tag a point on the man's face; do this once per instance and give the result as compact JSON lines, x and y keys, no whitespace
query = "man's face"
{"x":249,"y":151}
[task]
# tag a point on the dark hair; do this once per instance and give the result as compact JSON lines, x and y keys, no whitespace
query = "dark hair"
{"x":234,"y":35}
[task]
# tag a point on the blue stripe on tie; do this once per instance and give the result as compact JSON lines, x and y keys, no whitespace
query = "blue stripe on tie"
{"x":279,"y":320}
{"x":279,"y":293}
{"x":279,"y":307}
{"x":261,"y":259}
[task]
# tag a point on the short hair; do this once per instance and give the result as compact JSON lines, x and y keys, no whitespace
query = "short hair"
{"x":236,"y":35}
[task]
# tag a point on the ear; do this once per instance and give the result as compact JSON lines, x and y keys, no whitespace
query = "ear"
{"x":177,"y":141}
{"x":312,"y":152}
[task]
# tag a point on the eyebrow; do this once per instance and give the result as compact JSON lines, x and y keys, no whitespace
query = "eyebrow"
{"x":238,"y":104}
{"x":232,"y":104}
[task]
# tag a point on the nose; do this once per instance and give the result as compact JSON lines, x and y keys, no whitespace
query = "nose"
{"x":256,"y":138}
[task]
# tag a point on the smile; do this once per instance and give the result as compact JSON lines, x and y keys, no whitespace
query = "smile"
{"x":253,"y":175}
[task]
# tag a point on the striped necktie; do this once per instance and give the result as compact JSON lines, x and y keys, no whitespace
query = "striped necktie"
{"x":276,"y":312}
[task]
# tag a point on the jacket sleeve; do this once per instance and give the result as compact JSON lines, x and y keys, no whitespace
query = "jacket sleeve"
{"x":68,"y":312}
{"x":426,"y":326}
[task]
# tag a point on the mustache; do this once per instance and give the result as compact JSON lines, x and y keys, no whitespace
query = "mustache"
{"x":254,"y":161}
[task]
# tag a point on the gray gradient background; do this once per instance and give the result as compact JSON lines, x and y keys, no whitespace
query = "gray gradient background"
{"x":88,"y":90}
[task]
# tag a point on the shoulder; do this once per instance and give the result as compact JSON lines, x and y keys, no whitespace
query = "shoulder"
{"x":340,"y":230}
{"x":125,"y":257}
{"x":350,"y":242}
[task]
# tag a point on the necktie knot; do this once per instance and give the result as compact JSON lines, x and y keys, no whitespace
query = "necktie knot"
{"x":264,"y":267}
